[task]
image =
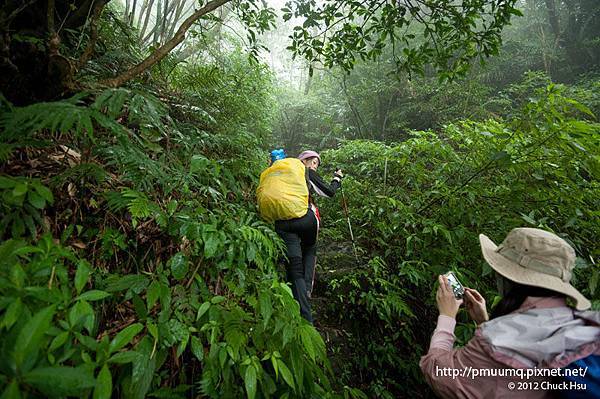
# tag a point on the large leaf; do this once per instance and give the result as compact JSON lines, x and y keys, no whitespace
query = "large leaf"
{"x":266,"y":307}
{"x":44,"y":192}
{"x":143,"y":370}
{"x":59,"y":340}
{"x":197,"y":348}
{"x":6,"y":182}
{"x":307,"y":342}
{"x":152,"y":294}
{"x":250,"y":381}
{"x":285,"y":373}
{"x":92,"y":295}
{"x":179,"y":266}
{"x":124,"y":337}
{"x":61,"y":381}
{"x":134,"y":282}
{"x":12,"y":314}
{"x":12,"y":391}
{"x":81,"y":275}
{"x":203,"y":308}
{"x":124,"y":357}
{"x":31,"y":334}
{"x":82,"y":312}
{"x":20,"y":189}
{"x":211,"y":244}
{"x":36,"y":200}
{"x":103,"y":388}
{"x":288,"y":333}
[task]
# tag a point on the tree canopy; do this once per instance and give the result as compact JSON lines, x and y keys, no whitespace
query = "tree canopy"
{"x":444,"y":34}
{"x":334,"y":33}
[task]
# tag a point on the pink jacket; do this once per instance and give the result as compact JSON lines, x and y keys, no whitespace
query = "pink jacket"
{"x":542,"y":333}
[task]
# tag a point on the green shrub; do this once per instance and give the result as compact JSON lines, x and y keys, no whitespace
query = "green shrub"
{"x":417,"y":208}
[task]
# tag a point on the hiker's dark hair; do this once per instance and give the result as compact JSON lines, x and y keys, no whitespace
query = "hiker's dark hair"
{"x":311,"y":158}
{"x":517,"y":295}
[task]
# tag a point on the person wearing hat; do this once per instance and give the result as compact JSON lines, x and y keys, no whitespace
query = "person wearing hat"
{"x":300,"y":235}
{"x":532,"y":326}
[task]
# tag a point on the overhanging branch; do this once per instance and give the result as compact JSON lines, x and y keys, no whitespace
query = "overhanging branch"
{"x":166,"y":48}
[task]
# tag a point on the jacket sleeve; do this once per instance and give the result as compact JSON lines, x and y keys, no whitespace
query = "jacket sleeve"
{"x":321,"y":187}
{"x":449,"y":371}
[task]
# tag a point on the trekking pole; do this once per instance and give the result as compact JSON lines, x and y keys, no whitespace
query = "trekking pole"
{"x":384,"y":176}
{"x":345,"y":206}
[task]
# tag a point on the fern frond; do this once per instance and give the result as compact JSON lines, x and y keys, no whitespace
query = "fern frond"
{"x":5,"y":105}
{"x":206,"y":385}
{"x":115,"y":201}
{"x":145,"y":108}
{"x":84,"y":171}
{"x":142,"y":108}
{"x":138,"y":203}
{"x":59,"y":116}
{"x":111,"y":101}
{"x":135,"y":165}
{"x":5,"y":151}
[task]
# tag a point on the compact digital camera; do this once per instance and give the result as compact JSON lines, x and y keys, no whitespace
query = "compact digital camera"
{"x":455,"y":285}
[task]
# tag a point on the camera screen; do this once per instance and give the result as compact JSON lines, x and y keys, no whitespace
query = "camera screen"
{"x":456,"y":286}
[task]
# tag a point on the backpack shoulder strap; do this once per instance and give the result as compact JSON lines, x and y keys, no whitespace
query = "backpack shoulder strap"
{"x":306,"y":176}
{"x":308,"y":186}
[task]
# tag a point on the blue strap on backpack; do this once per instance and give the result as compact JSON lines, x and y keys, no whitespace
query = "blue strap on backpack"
{"x":277,"y":155}
{"x":591,"y":380}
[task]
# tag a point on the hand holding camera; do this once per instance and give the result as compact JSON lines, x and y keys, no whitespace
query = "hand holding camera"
{"x":451,"y":294}
{"x":447,"y":301}
{"x":475,"y":304}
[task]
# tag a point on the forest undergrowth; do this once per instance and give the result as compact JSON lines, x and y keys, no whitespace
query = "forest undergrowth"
{"x":133,"y":262}
{"x":416,"y":209}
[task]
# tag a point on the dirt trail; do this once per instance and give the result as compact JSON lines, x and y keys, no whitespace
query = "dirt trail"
{"x":334,"y":261}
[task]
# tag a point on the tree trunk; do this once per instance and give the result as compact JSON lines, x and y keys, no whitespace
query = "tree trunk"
{"x":553,"y":18}
{"x":126,"y":15}
{"x":164,"y":21}
{"x":132,"y":16}
{"x":544,"y":52}
{"x":157,"y":22}
{"x":308,"y":83}
{"x":36,"y":73}
{"x":178,"y":10}
{"x":81,"y":13}
{"x":89,"y":50}
{"x":148,"y":12}
{"x":50,"y":17}
{"x":170,"y":20}
{"x":142,"y":11}
{"x":163,"y":50}
{"x":357,"y":117}
{"x":387,"y":115}
{"x":157,"y":33}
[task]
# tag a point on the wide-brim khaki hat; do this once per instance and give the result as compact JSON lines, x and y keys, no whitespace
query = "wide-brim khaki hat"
{"x":535,"y":257}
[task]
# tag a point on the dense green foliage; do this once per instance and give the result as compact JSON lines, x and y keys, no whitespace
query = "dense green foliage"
{"x":133,"y":262}
{"x":377,"y":102}
{"x":439,"y":191}
{"x":450,"y":34}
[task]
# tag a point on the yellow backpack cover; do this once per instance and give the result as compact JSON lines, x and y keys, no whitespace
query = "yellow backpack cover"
{"x":282,"y":192}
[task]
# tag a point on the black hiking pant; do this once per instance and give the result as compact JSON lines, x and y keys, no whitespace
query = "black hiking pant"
{"x":300,"y":236}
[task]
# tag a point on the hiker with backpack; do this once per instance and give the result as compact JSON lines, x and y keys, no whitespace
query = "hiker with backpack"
{"x":286,"y":197}
{"x":532,"y":330}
